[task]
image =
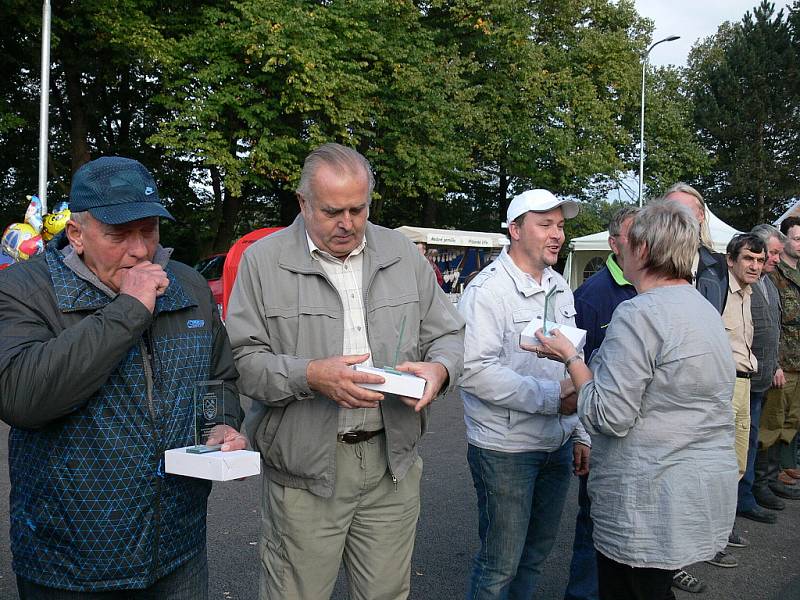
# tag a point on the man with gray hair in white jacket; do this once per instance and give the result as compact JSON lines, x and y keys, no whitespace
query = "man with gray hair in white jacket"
{"x":524,"y":436}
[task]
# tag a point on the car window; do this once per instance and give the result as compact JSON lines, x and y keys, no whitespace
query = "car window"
{"x":211,"y":268}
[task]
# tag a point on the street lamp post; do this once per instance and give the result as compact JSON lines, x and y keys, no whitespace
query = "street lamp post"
{"x":671,"y":38}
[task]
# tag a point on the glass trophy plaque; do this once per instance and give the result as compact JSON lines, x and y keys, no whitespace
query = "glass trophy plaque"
{"x":549,"y":310}
{"x":209,"y":411}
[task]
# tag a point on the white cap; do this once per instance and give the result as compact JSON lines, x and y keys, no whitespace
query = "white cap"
{"x":539,"y":201}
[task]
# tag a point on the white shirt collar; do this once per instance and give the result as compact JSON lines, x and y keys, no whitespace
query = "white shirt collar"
{"x":316,"y":252}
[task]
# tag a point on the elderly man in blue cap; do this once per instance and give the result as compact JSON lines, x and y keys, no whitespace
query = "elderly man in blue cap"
{"x":103,"y":340}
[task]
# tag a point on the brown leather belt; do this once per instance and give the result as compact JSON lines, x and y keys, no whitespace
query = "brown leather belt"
{"x":356,"y":437}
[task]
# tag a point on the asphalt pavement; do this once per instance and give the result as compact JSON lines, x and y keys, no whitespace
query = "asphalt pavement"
{"x":447,"y":534}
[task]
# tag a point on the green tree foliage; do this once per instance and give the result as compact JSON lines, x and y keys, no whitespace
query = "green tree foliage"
{"x":555,"y":91}
{"x":104,"y":74}
{"x":672,"y":150}
{"x":745,"y":85}
{"x":279,"y":78}
{"x":458,"y":104}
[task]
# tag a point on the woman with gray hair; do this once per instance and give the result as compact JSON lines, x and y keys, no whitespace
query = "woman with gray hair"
{"x":658,"y":407}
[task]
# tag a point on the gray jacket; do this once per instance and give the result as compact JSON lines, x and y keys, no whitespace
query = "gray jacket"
{"x":511,"y":397}
{"x":766,"y":308}
{"x":664,"y":474}
{"x":284,"y":312}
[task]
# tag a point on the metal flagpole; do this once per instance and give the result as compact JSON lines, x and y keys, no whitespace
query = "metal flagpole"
{"x":44,"y":106}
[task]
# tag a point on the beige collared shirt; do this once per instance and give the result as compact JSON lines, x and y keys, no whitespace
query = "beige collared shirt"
{"x":738,"y":321}
{"x":346,"y":276}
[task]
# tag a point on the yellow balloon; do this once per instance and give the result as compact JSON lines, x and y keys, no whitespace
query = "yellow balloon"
{"x":54,"y":223}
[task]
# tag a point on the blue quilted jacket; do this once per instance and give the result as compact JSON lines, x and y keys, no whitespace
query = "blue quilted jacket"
{"x":95,"y":390}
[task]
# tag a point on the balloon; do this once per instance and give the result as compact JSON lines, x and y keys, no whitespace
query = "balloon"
{"x":54,"y":223}
{"x":33,"y":216}
{"x":5,"y":260}
{"x":21,"y":241}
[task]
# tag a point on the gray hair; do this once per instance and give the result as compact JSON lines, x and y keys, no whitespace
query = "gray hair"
{"x":670,"y":232}
{"x":624,"y":213}
{"x":766,"y":232}
{"x":80,"y":217}
{"x":342,"y":159}
{"x":705,"y":232}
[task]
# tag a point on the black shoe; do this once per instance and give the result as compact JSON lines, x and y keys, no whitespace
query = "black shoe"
{"x":724,"y":560}
{"x":758,"y":514}
{"x":784,"y":491}
{"x":737,"y":541}
{"x":769,"y":500}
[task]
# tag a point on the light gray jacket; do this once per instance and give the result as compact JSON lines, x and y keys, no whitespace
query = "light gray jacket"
{"x":663,"y":475}
{"x":511,"y":397}
{"x":284,"y":312}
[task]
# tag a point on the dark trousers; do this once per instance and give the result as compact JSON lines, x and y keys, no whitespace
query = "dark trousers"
{"x":621,"y":582}
{"x":187,"y":582}
{"x":582,"y":584}
{"x":767,"y":467}
{"x":746,"y":500}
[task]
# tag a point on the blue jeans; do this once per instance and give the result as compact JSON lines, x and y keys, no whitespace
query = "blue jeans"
{"x":746,"y":500}
{"x":188,"y":582}
{"x":520,"y":499}
{"x":582,"y":583}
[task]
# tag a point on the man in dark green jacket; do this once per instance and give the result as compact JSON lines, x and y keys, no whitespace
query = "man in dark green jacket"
{"x":103,"y":339}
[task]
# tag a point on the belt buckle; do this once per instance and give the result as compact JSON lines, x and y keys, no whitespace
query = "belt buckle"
{"x":350,"y":437}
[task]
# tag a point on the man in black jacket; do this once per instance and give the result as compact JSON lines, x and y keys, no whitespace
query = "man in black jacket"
{"x":103,"y":340}
{"x":710,"y":269}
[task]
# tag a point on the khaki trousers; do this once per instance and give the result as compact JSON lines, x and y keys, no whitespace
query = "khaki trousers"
{"x":780,"y":415}
{"x":369,"y":523}
{"x":741,"y":417}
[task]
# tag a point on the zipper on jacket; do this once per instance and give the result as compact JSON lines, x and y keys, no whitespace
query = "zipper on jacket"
{"x":383,"y":418}
{"x":145,"y":349}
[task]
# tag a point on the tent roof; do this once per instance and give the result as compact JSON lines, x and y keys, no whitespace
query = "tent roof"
{"x":792,"y":211}
{"x":453,"y":237}
{"x":721,"y":234}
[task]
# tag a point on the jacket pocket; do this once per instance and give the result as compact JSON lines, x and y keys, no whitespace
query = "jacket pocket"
{"x":388,"y":331}
{"x":267,"y":428}
{"x":377,"y":303}
{"x":524,"y":316}
{"x":520,"y":318}
{"x":567,"y":311}
{"x":296,"y":330}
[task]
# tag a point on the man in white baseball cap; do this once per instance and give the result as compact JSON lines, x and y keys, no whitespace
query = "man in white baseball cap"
{"x":539,"y":201}
{"x":524,"y":436}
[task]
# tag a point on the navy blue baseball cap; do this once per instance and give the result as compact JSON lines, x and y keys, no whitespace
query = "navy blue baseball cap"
{"x":116,"y":190}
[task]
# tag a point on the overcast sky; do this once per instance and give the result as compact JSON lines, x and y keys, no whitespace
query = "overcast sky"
{"x":692,"y":20}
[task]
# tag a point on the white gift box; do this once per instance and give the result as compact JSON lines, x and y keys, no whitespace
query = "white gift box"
{"x":575,"y":335}
{"x":395,"y":382}
{"x":217,"y":466}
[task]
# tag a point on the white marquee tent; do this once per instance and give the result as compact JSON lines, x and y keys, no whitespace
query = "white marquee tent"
{"x":454,"y":237}
{"x":794,"y":211}
{"x":594,"y":248}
